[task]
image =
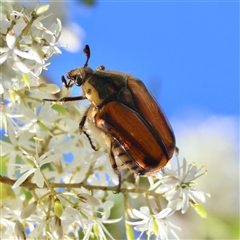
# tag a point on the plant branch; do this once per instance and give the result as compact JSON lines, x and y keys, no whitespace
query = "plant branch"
{"x":31,"y":186}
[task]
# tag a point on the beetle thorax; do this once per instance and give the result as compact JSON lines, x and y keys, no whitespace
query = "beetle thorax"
{"x":101,"y":86}
{"x":91,"y":93}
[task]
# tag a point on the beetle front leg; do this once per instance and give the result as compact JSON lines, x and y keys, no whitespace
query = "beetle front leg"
{"x":66,"y":99}
{"x":67,"y":84}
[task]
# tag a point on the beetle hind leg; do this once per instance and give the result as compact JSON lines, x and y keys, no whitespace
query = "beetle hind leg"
{"x":115,"y":166}
{"x":116,"y":170}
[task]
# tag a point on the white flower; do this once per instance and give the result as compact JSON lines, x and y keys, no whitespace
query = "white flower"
{"x":46,"y":226}
{"x":28,"y":44}
{"x":37,"y":120}
{"x":153,"y":223}
{"x":97,"y":227}
{"x":178,"y":186}
{"x":7,"y":118}
{"x":11,"y":51}
{"x":10,"y":215}
{"x":13,"y":148}
{"x":35,"y":167}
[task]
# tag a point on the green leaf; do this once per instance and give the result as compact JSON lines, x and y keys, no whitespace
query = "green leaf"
{"x":6,"y":191}
{"x":59,"y":108}
{"x":26,"y":79}
{"x":26,"y":193}
{"x":3,"y":164}
{"x":42,"y":126}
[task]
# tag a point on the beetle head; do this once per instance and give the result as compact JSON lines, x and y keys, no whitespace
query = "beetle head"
{"x":79,"y":75}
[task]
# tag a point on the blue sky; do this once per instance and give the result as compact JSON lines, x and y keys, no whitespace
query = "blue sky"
{"x":187,"y":53}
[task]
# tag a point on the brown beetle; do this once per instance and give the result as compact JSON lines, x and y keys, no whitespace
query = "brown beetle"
{"x":126,"y":116}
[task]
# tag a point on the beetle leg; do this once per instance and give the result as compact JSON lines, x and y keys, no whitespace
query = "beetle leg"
{"x":81,"y":125}
{"x":66,"y":99}
{"x":115,"y":168}
{"x":90,"y":141}
{"x":67,"y":84}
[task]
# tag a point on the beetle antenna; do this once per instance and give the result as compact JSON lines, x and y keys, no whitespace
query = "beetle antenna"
{"x":86,"y":50}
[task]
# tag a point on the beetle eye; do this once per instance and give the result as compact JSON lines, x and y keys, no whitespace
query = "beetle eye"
{"x":78,"y":80}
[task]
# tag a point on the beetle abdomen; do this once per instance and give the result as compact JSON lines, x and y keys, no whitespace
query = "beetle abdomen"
{"x":126,"y":159}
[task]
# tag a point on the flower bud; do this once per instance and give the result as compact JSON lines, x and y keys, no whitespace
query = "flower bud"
{"x":129,"y":232}
{"x":57,"y":228}
{"x":58,"y":208}
{"x":155,"y":227}
{"x":49,"y":88}
{"x":200,"y":210}
{"x":26,"y":79}
{"x":42,"y":9}
{"x":19,"y":230}
{"x":96,"y":230}
{"x":27,"y":211}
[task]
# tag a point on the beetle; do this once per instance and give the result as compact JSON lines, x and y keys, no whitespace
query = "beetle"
{"x":126,"y":116}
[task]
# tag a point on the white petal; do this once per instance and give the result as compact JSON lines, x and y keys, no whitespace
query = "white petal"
{"x":137,"y":222}
{"x":23,"y":178}
{"x":39,"y":178}
{"x":197,"y":196}
{"x":3,"y":57}
{"x":59,"y":29}
{"x":72,"y":211}
{"x":170,"y":180}
{"x":112,"y":220}
{"x":23,"y":54}
{"x":139,"y":214}
{"x":50,"y":159}
{"x":174,"y":194}
{"x":144,"y":210}
{"x":175,"y":205}
{"x":37,"y":52}
{"x":11,"y":39}
{"x":20,"y":65}
{"x":45,"y":155}
{"x":4,"y":49}
{"x":184,"y":169}
{"x":185,"y":202}
{"x":164,"y":213}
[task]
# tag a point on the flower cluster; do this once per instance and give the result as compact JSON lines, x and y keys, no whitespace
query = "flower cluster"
{"x":26,"y":45}
{"x":54,"y":185}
